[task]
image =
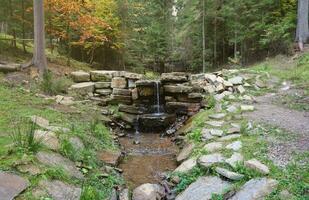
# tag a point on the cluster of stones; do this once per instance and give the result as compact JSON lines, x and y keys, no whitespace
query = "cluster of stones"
{"x":50,"y":137}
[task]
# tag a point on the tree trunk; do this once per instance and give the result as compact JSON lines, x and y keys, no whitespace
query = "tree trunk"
{"x":302,"y":31}
{"x":39,"y":57}
{"x":23,"y":25}
{"x":204,"y":42}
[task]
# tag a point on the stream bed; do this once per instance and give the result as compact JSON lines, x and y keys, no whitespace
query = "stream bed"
{"x":147,"y":161}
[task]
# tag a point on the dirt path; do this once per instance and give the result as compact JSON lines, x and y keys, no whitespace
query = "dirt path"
{"x":296,"y":123}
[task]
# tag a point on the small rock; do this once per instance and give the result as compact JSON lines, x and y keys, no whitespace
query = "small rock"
{"x":124,"y":194}
{"x":229,"y":174}
{"x":217,"y":116}
{"x":232,"y":109}
{"x":186,"y":166}
{"x":216,"y":132}
{"x":148,"y":192}
{"x":245,"y":108}
{"x":204,"y":188}
{"x":256,"y":189}
{"x":109,"y":157}
{"x":235,"y":159}
{"x":257,"y":165}
{"x":236,"y":80}
{"x":230,"y":137}
{"x":31,"y":169}
{"x":40,"y":121}
{"x":235,"y":146}
{"x":285,"y":194}
{"x":11,"y":185}
{"x":185,"y":152}
{"x":214,"y":146}
{"x":113,"y":196}
{"x":215,"y":123}
{"x":241,"y":89}
{"x":77,"y":143}
{"x":206,"y":135}
{"x":233,"y":130}
{"x":211,"y":159}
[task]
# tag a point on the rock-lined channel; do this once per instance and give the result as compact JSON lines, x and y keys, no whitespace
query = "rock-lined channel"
{"x":148,"y":161}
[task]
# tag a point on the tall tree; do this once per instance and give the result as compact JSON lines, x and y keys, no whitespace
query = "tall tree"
{"x":302,"y":31}
{"x":39,"y":58}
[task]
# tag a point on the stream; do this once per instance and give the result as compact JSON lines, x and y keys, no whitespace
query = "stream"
{"x":147,"y":161}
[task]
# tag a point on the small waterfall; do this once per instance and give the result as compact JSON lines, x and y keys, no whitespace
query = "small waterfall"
{"x":158,"y":97}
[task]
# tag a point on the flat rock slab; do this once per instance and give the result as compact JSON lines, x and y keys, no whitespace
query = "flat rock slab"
{"x":213,"y":146}
{"x":186,"y":165}
{"x":56,"y":160}
{"x":211,"y":159}
{"x":235,"y":159}
{"x":109,"y":157}
{"x":61,"y":191}
{"x":229,"y":174}
{"x":230,"y":137}
{"x":258,"y":166}
{"x":235,"y":146}
{"x":48,"y":138}
{"x":215,"y":123}
{"x":217,"y":116}
{"x":204,"y":188}
{"x":11,"y":185}
{"x":256,"y":189}
{"x":185,"y":152}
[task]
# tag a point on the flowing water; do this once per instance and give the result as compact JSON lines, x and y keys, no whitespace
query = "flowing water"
{"x":146,"y":162}
{"x":148,"y":155}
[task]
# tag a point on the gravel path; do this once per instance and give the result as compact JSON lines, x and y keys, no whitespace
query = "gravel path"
{"x":294,"y":122}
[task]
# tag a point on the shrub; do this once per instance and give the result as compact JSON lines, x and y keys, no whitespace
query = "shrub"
{"x":52,"y":86}
{"x":24,"y":139}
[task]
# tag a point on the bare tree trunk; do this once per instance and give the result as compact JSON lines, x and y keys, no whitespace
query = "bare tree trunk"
{"x":23,"y":25}
{"x":204,"y":42}
{"x":302,"y":31}
{"x":39,"y":57}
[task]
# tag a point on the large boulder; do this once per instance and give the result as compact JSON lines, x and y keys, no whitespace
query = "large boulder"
{"x":148,"y":192}
{"x":80,"y":76}
{"x":103,"y":76}
{"x":204,"y":188}
{"x":81,"y":89}
{"x":11,"y":185}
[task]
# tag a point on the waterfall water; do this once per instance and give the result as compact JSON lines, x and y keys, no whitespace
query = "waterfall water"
{"x":158,"y":97}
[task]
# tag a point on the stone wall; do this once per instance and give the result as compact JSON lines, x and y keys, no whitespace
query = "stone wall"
{"x":180,"y":93}
{"x":137,"y":98}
